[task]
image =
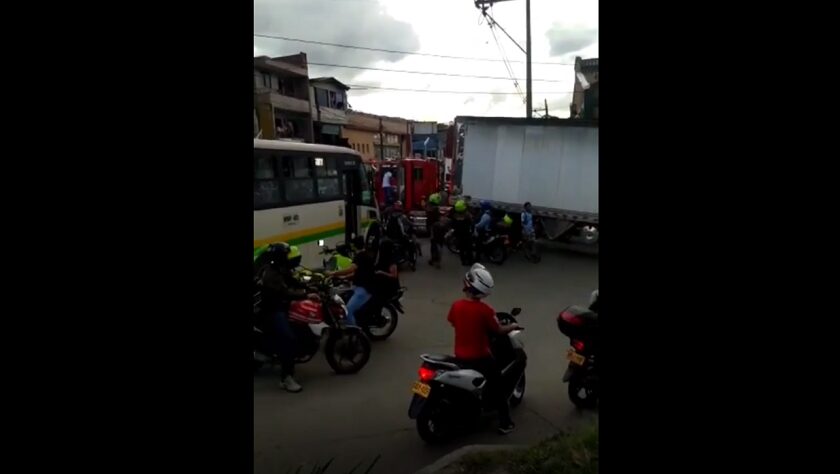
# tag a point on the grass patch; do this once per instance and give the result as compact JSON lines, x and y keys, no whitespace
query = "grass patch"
{"x":575,"y":453}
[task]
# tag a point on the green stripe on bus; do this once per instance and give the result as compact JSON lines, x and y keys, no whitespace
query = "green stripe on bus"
{"x":322,"y":235}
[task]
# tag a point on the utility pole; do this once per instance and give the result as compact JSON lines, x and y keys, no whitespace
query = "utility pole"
{"x":529,"y":96}
{"x":381,"y":141}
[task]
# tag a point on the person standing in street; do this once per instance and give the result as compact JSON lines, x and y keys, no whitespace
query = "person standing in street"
{"x":529,"y":239}
{"x":462,"y":224}
{"x":434,"y":226}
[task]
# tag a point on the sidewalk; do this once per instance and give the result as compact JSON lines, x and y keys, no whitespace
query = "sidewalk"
{"x":441,"y":464}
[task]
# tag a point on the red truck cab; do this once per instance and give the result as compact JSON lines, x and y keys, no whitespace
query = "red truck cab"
{"x":416,"y":179}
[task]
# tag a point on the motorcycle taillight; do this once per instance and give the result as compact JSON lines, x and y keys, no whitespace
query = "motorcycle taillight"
{"x":426,"y":374}
{"x":578,"y":345}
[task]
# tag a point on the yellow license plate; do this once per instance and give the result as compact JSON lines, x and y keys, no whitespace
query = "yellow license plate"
{"x":421,"y":389}
{"x":575,"y":358}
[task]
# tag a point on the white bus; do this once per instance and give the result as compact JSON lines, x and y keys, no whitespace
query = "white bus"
{"x":306,"y":193}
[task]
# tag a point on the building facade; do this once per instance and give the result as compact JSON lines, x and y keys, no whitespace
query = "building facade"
{"x":329,"y":110}
{"x":364,"y":133}
{"x":585,"y":97}
{"x":281,"y":98}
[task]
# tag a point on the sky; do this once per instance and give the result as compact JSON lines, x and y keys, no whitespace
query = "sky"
{"x":560,"y":30}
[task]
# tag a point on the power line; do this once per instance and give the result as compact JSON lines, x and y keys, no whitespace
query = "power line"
{"x":425,"y":72}
{"x":359,"y":86}
{"x":392,"y":51}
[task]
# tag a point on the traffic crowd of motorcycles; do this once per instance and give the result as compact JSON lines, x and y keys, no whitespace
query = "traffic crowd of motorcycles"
{"x":449,"y":397}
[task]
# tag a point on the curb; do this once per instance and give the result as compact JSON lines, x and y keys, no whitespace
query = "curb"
{"x":456,"y":455}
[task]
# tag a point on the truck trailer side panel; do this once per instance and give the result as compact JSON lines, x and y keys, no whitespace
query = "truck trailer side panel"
{"x":552,"y":166}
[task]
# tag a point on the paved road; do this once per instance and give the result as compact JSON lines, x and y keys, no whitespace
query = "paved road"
{"x":355,"y":418}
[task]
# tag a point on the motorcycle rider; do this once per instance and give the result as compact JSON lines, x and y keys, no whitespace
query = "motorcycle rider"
{"x":362,"y":271}
{"x":462,"y":224}
{"x":474,"y":320}
{"x":279,"y":289}
{"x":386,"y":278}
{"x":398,"y":228}
{"x":435,"y":228}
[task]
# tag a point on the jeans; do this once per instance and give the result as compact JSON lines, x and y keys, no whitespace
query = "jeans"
{"x":390,"y":195}
{"x":284,"y":342}
{"x":359,"y":298}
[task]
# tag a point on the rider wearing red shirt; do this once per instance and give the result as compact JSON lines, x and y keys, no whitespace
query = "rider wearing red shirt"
{"x":473,"y":321}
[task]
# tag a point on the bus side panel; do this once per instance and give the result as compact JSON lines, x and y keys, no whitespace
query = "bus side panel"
{"x":302,"y":225}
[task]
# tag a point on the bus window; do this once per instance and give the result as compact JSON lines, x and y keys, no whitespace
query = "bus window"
{"x":266,"y":184}
{"x":326,"y":173}
{"x":298,"y":184}
{"x":367,"y":176}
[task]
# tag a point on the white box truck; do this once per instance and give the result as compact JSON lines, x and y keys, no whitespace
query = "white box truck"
{"x":551,"y":163}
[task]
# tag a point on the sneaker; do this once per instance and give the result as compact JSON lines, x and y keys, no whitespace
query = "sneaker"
{"x":290,"y":385}
{"x":505,"y":428}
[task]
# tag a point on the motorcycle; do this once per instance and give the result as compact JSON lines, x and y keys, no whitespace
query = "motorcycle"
{"x":495,"y":247}
{"x":581,"y":326}
{"x":347,"y":349}
{"x":379,"y":317}
{"x":449,"y":397}
{"x":407,"y":252}
{"x":451,"y":241}
{"x":338,"y":258}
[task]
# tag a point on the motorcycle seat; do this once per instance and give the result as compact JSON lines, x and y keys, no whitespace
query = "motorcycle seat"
{"x":441,"y":360}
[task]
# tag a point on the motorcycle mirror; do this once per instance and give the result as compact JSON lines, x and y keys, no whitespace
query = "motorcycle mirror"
{"x":516,"y":311}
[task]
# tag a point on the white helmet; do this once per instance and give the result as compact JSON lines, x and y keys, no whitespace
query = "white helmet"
{"x":480,"y":280}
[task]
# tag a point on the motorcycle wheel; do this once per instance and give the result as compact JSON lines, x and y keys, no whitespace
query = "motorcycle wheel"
{"x":452,"y":245}
{"x":518,"y":393}
{"x":390,"y":318}
{"x":585,"y":398}
{"x":347,"y":352}
{"x":434,"y":427}
{"x":497,"y":255}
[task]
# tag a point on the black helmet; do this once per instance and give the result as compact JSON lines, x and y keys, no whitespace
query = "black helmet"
{"x":277,"y":255}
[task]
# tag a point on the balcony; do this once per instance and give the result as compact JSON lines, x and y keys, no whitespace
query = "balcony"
{"x":282,"y":102}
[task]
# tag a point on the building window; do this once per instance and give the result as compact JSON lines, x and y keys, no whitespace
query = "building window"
{"x":266,"y":77}
{"x":337,"y":100}
{"x":322,"y":97}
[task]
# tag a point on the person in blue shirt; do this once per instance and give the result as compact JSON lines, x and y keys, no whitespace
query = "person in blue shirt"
{"x":483,"y":227}
{"x":529,"y":239}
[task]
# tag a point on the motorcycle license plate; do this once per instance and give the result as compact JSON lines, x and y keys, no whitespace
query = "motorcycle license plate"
{"x":575,"y":358}
{"x":421,"y":389}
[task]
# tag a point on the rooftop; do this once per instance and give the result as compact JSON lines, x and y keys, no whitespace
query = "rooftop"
{"x":329,"y":80}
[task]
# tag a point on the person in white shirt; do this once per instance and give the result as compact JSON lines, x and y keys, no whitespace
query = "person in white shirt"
{"x":388,"y":188}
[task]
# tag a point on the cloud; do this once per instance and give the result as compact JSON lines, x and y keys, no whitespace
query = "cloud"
{"x":332,"y":22}
{"x":565,"y":40}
